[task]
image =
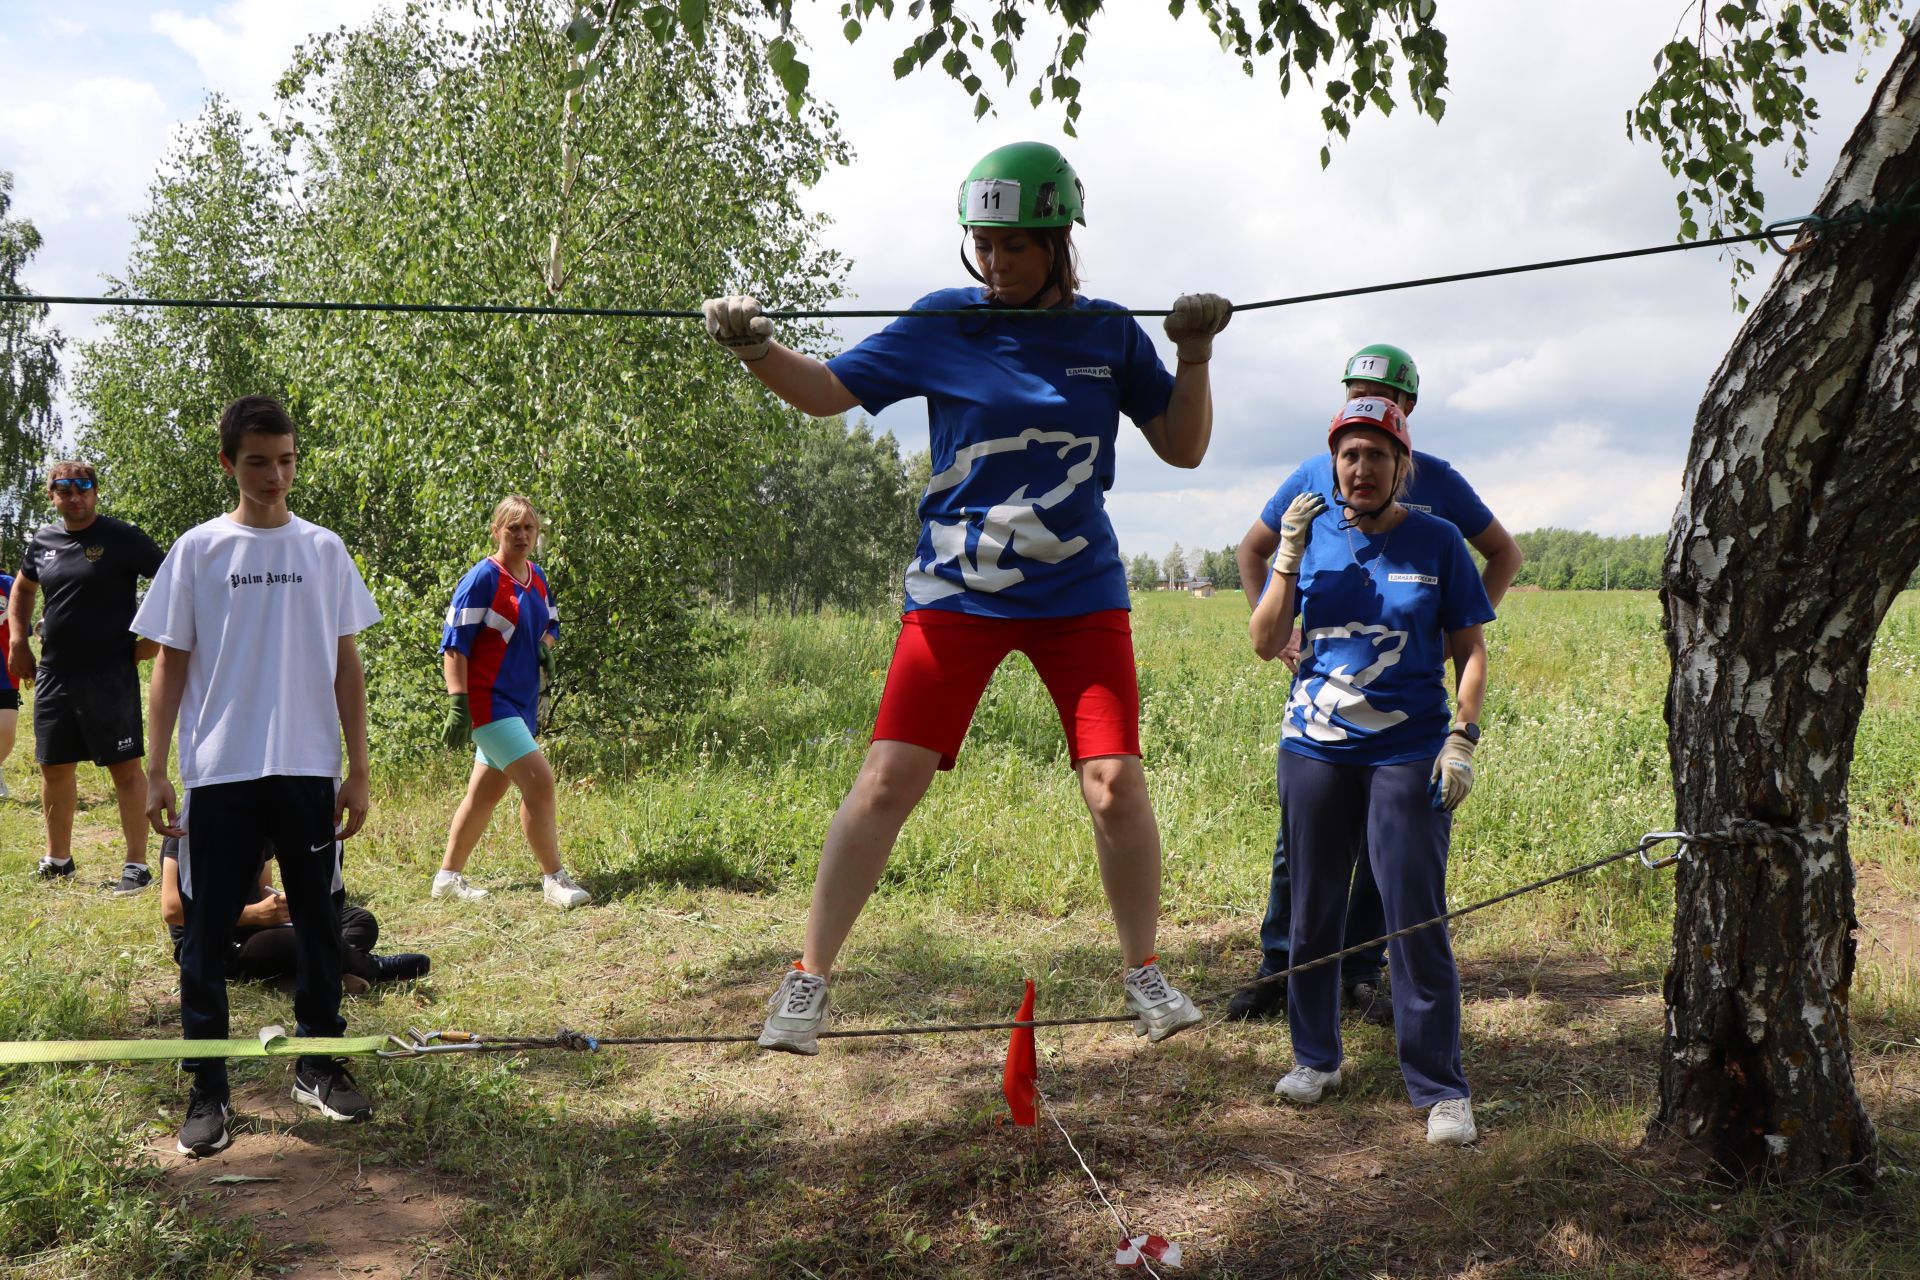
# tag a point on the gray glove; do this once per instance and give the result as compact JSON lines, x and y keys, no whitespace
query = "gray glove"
{"x":1296,"y":527}
{"x":737,"y":324}
{"x":1196,"y":318}
{"x":1452,"y":778}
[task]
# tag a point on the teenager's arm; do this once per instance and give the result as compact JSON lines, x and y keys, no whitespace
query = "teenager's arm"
{"x":1503,"y":556}
{"x":803,"y":382}
{"x":20,"y":618}
{"x":350,"y":698}
{"x":1181,"y":435}
{"x":143,"y":649}
{"x":1254,"y":554}
{"x":163,"y":710}
{"x":453,"y":665}
{"x":172,"y":909}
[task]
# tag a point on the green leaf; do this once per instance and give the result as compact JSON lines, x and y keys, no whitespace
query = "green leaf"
{"x":583,"y":33}
{"x":693,"y":17}
{"x":852,"y":30}
{"x":660,"y":22}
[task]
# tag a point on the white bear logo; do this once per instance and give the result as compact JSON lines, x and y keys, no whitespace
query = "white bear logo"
{"x":1338,"y":693}
{"x":1013,"y":524}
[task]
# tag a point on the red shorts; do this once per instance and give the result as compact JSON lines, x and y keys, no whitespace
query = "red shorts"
{"x":943,"y":660}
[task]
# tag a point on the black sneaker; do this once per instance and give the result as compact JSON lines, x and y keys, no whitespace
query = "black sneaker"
{"x":1268,"y":1000}
{"x":51,"y":870}
{"x":326,"y":1084}
{"x":134,"y":877}
{"x":205,"y":1131}
{"x":1370,"y":1002}
{"x":404,"y":966}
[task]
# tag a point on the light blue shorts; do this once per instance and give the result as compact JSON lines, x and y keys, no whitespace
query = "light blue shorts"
{"x":499,"y":744}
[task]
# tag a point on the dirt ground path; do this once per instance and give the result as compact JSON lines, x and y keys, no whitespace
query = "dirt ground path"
{"x":322,"y":1210}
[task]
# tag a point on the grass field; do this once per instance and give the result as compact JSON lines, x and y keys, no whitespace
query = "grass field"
{"x":885,"y":1157}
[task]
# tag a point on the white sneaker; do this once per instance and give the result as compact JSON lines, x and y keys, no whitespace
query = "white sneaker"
{"x":1304,"y":1085}
{"x":562,"y":892}
{"x":5,"y":792}
{"x":796,"y":1014}
{"x":1159,"y":1007}
{"x":451,"y":884}
{"x":1450,"y":1123}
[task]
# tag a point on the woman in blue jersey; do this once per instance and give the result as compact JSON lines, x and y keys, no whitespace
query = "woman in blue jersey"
{"x":1015,"y":549}
{"x":1386,"y":595}
{"x":498,"y":639}
{"x":9,"y":695}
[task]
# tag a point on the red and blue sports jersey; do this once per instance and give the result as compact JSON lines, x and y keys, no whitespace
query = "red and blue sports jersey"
{"x":6,"y":629}
{"x":498,"y":624}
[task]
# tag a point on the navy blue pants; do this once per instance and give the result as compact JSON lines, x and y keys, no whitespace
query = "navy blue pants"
{"x":227,"y":825}
{"x":1336,"y":814}
{"x":1366,"y":918}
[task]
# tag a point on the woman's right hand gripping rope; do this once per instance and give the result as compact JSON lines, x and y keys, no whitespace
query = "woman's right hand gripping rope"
{"x":1452,"y":779}
{"x":738,"y":324}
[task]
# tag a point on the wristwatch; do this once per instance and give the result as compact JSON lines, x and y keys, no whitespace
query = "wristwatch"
{"x":1470,"y":731}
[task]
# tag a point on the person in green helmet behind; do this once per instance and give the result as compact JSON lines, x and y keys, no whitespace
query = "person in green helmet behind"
{"x":1435,"y":488}
{"x":1015,"y":552}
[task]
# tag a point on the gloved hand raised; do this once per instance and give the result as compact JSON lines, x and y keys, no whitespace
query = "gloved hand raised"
{"x":1296,"y":527}
{"x":457,"y":729}
{"x":737,"y":324}
{"x":1452,"y":778}
{"x":1196,"y":318}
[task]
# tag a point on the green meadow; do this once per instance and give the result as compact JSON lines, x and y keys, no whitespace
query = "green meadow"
{"x":886,"y":1157}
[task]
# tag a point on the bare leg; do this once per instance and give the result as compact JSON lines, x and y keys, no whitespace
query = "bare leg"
{"x":539,"y":816}
{"x":892,"y":779}
{"x":130,"y":793}
{"x":484,"y":788}
{"x":1128,"y":841}
{"x":9,"y":726}
{"x":59,"y":797}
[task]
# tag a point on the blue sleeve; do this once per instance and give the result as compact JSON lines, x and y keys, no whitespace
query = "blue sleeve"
{"x":468,"y":612}
{"x":1464,"y":602}
{"x":553,"y":610}
{"x":1460,"y":506}
{"x":879,"y":369}
{"x":1290,"y":488}
{"x":1145,"y":385}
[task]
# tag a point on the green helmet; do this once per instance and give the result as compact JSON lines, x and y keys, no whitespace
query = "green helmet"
{"x":1023,"y":184}
{"x":1388,"y":365}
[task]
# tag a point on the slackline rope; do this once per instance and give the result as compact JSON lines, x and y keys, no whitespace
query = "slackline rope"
{"x":1806,"y":229}
{"x":273,"y":1042}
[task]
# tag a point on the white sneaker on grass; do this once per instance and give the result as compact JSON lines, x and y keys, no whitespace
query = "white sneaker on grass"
{"x":451,"y":884}
{"x":562,"y":892}
{"x":5,"y":792}
{"x":1450,"y":1123}
{"x":1304,"y":1085}
{"x":796,"y":1014}
{"x":1157,"y":1004}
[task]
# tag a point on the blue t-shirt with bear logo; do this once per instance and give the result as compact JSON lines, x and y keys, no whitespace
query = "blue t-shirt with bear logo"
{"x":1023,"y":414}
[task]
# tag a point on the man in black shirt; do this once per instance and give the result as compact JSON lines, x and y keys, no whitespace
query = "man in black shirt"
{"x":87,"y":702}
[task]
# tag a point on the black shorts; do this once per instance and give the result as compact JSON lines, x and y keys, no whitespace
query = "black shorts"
{"x":91,"y":715}
{"x":9,"y":699}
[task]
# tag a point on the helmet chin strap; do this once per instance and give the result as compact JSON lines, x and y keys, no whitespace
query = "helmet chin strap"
{"x":1353,"y":521}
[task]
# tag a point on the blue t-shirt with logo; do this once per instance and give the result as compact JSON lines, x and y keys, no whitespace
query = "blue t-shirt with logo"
{"x":1436,"y":489}
{"x":1375,"y":611}
{"x":1023,"y":414}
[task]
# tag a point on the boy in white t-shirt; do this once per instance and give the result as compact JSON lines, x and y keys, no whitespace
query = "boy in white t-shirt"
{"x":255,"y":612}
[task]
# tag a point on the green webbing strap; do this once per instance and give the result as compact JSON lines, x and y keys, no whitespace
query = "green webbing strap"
{"x":272,"y":1042}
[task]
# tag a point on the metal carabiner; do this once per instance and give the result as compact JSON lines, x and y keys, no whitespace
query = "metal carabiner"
{"x":1655,"y":838}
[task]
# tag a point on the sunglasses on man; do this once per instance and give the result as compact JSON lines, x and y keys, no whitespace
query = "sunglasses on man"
{"x":77,"y":484}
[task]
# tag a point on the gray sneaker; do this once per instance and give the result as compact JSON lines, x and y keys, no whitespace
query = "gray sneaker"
{"x":134,"y":877}
{"x":796,"y":1014}
{"x":1450,"y":1123}
{"x":1305,"y":1085}
{"x":560,"y":890}
{"x":1157,"y":1004}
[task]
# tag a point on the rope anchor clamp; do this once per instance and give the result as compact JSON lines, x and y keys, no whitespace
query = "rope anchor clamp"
{"x":1654,"y":839}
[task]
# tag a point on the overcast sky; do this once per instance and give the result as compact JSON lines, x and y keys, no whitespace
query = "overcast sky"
{"x":1565,"y":397}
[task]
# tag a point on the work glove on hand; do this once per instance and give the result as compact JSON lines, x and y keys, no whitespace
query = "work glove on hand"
{"x":737,"y":324}
{"x":458,"y":729}
{"x":1452,"y":776}
{"x":1296,"y":527}
{"x":548,"y":664}
{"x":1196,"y":318}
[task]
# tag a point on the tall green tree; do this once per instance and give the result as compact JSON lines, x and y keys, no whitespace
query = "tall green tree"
{"x":29,"y":381}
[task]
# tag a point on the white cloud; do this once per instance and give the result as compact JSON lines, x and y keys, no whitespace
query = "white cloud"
{"x":1576,"y":477}
{"x":85,"y":149}
{"x":242,"y":47}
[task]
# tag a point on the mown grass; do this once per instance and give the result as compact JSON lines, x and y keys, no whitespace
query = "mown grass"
{"x":883,"y":1158}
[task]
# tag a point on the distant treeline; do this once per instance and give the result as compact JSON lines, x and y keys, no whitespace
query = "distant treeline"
{"x":1568,"y":560}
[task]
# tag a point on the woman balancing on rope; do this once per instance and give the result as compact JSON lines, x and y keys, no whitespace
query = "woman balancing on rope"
{"x":1015,"y":552}
{"x":1385,"y":596}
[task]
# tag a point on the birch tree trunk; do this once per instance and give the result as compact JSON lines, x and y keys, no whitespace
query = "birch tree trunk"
{"x":1799,"y":522}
